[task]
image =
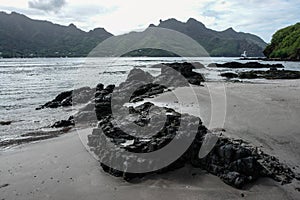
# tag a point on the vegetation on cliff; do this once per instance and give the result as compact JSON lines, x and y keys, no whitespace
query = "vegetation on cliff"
{"x":285,"y":44}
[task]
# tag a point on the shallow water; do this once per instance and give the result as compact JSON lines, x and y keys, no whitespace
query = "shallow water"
{"x":27,"y":83}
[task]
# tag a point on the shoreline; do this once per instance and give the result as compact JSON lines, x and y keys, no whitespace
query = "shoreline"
{"x":41,"y":134}
{"x":163,"y":100}
{"x":154,"y":57}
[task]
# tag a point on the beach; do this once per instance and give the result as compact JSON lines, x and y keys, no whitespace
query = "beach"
{"x":264,"y":114}
{"x":149,"y":101}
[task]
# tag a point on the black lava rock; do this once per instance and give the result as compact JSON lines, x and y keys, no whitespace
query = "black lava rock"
{"x":68,"y":98}
{"x":5,"y":123}
{"x":229,"y":75}
{"x":168,"y":74}
{"x":270,"y":74}
{"x":238,"y":65}
{"x":235,"y":162}
{"x":64,"y":123}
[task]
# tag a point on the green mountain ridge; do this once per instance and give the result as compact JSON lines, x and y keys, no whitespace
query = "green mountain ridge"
{"x":218,"y":43}
{"x":285,"y":44}
{"x":21,"y":36}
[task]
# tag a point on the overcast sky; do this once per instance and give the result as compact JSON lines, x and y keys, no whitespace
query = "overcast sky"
{"x":261,"y":17}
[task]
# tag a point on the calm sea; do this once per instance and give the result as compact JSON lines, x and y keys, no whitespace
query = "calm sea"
{"x":27,"y":83}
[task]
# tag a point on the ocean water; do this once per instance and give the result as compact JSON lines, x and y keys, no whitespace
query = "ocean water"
{"x":27,"y":83}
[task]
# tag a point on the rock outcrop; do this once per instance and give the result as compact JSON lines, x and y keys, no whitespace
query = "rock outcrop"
{"x":270,"y":74}
{"x":273,"y":73}
{"x":148,"y":128}
{"x":234,"y":161}
{"x":140,"y":84}
{"x":64,"y":99}
{"x":5,"y":123}
{"x":64,"y":123}
{"x":229,"y":75}
{"x":237,"y":65}
{"x":185,"y":69}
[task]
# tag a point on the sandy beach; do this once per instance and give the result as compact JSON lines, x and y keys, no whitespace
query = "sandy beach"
{"x":263,"y":114}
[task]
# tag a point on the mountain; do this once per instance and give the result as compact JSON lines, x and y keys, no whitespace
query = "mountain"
{"x":153,"y":42}
{"x":21,"y":36}
{"x":285,"y":44}
{"x":223,"y":43}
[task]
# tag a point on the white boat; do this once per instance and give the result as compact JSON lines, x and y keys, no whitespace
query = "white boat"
{"x":244,"y":55}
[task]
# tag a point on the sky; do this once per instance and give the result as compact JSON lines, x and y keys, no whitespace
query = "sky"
{"x":260,"y":17}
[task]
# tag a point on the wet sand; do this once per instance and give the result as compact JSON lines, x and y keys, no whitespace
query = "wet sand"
{"x":266,"y":115}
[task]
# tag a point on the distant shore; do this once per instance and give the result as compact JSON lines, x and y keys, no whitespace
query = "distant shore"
{"x":168,"y":56}
{"x":270,"y":59}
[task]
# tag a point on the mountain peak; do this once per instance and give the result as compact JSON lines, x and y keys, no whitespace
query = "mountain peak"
{"x":98,"y":29}
{"x":172,"y":20}
{"x":99,"y":32}
{"x":72,"y":26}
{"x":230,"y":30}
{"x":192,"y":21}
{"x":14,"y":14}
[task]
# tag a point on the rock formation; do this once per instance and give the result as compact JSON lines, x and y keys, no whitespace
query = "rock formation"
{"x":272,"y":73}
{"x":148,"y":128}
{"x":238,"y":65}
{"x":64,"y":99}
{"x":234,"y":161}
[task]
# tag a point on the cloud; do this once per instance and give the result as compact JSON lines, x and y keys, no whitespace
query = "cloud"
{"x":47,"y":5}
{"x":255,"y":16}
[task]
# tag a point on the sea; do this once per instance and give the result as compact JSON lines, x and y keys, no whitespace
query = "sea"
{"x":27,"y":83}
